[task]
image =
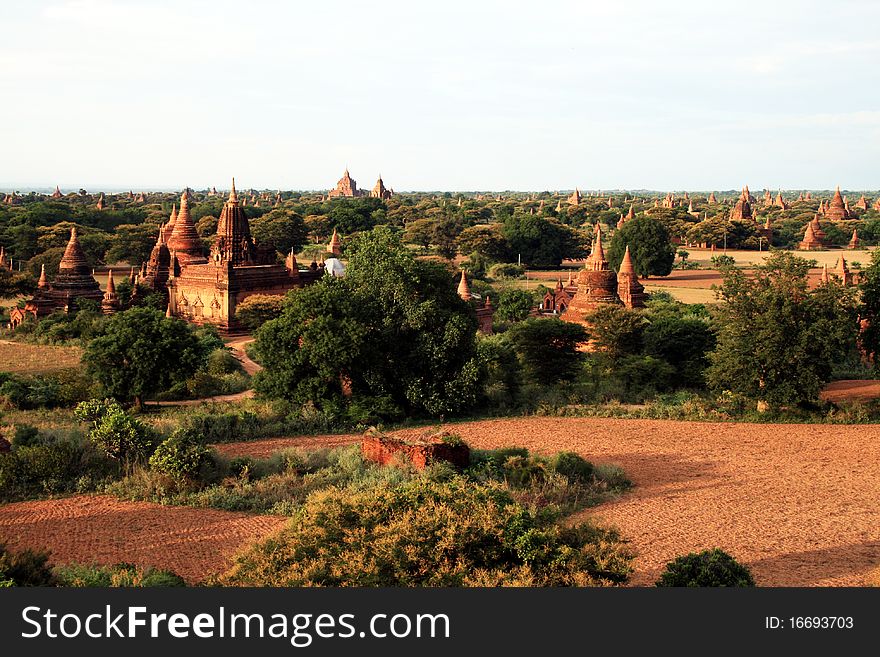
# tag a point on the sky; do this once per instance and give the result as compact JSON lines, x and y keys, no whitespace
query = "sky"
{"x":451,"y":95}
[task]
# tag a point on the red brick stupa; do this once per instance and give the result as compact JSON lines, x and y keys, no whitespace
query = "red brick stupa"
{"x":631,"y":292}
{"x":596,"y":284}
{"x":837,"y":209}
{"x":74,"y":281}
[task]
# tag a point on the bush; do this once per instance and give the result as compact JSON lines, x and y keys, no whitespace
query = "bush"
{"x":707,"y":568}
{"x":25,"y":436}
{"x":50,"y":468}
{"x":225,"y":427}
{"x":119,"y":435}
{"x":181,"y":456}
{"x":506,"y":270}
{"x":119,"y":575}
{"x":223,"y":361}
{"x":430,"y":533}
{"x":25,"y":568}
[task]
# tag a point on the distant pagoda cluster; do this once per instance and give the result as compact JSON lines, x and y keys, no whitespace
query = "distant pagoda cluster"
{"x":347,"y":187}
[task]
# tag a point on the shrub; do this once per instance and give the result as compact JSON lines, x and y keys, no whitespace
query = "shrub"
{"x":119,"y":435}
{"x":181,"y":456}
{"x":506,"y":270}
{"x":49,"y":468}
{"x":25,"y":568}
{"x":119,"y":575}
{"x":223,"y":361}
{"x":707,"y":568}
{"x":430,"y":533}
{"x":25,"y":435}
{"x":225,"y":427}
{"x":572,"y":466}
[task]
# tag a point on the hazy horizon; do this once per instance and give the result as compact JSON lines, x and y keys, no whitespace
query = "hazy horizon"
{"x":128,"y":94}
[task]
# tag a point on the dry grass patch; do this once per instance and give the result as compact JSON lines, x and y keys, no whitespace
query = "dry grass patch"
{"x":23,"y":358}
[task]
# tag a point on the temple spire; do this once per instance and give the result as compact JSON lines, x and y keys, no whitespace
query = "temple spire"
{"x":233,"y":197}
{"x":44,"y":280}
{"x":626,"y":265}
{"x":464,"y":290}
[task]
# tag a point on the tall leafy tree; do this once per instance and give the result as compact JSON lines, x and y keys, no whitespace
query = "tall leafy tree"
{"x":391,"y":337}
{"x":777,"y":339}
{"x":542,"y":241}
{"x":870,"y":310}
{"x":649,"y":246}
{"x":283,"y":229}
{"x":141,"y":352}
{"x":548,"y":348}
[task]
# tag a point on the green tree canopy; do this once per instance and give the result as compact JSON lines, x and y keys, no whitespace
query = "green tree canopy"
{"x":542,"y":241}
{"x":870,"y":310}
{"x":778,"y":340}
{"x":649,"y":246}
{"x":140,"y":352}
{"x":547,"y":348}
{"x":392,"y":336}
{"x":283,"y":229}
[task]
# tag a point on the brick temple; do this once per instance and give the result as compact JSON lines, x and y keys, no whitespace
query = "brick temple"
{"x":207,"y":290}
{"x":74,"y":281}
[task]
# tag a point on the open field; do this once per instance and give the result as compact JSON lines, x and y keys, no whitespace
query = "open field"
{"x":797,"y":503}
{"x":23,"y":358}
{"x":194,"y":543}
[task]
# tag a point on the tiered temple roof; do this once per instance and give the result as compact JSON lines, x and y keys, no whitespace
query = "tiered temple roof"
{"x":208,"y":291}
{"x":184,"y":241}
{"x":810,"y":241}
{"x":379,"y":190}
{"x":596,"y":283}
{"x":743,"y":208}
{"x":575,"y":198}
{"x":837,"y":209}
{"x":346,"y":186}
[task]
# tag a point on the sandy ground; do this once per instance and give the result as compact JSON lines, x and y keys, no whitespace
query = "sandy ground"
{"x":194,"y":543}
{"x":797,"y":503}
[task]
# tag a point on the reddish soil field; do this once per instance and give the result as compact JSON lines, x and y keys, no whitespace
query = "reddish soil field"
{"x":851,"y":390}
{"x":194,"y":543}
{"x":797,"y":503}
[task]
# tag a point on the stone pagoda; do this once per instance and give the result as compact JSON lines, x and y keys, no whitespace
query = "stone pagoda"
{"x":184,"y":242}
{"x":631,"y":292}
{"x":596,"y":284}
{"x":485,"y":311}
{"x":810,"y":241}
{"x":208,"y":291}
{"x":74,"y":281}
{"x":837,"y":209}
{"x":575,"y":198}
{"x":346,"y":187}
{"x":335,"y":245}
{"x":743,"y":208}
{"x":380,"y":191}
{"x":854,"y":240}
{"x":110,"y":302}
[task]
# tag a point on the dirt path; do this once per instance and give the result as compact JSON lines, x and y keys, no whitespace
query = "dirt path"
{"x":194,"y":543}
{"x":800,"y":504}
{"x":237,"y":346}
{"x":851,"y":390}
